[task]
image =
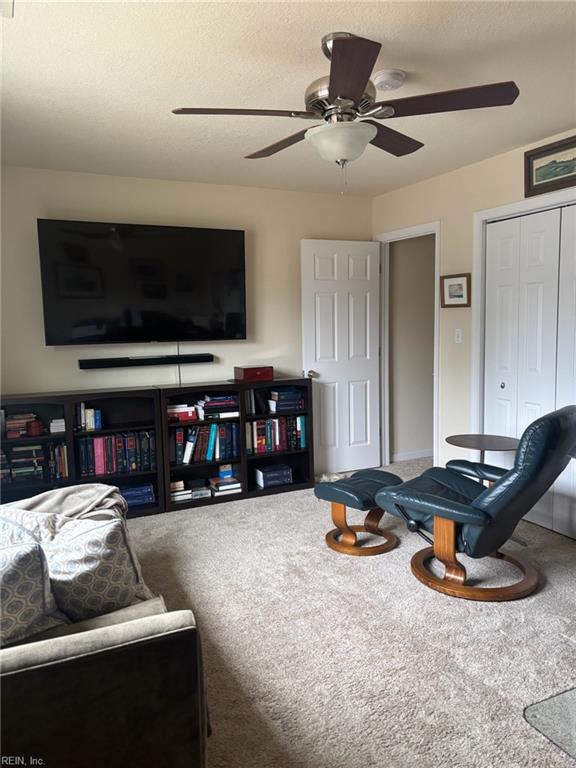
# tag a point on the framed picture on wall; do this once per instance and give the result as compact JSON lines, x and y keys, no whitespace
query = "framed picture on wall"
{"x":550,"y":167}
{"x":455,"y":290}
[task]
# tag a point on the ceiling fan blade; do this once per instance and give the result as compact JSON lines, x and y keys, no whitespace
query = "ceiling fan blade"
{"x":351,"y":65}
{"x":391,"y":141}
{"x":278,"y":146}
{"x":493,"y":95}
{"x":257,"y":112}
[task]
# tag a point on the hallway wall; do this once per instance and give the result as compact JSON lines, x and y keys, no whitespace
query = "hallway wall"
{"x":411,"y":347}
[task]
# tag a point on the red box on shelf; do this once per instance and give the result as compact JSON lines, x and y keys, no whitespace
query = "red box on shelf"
{"x":254,"y":373}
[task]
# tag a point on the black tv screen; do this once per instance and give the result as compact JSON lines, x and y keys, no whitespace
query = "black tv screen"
{"x":124,"y":283}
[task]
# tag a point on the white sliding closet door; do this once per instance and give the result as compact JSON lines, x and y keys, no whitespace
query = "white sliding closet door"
{"x":538,"y":329}
{"x":522,"y":260}
{"x":565,"y":488}
{"x":538,"y":315}
{"x":501,"y":351}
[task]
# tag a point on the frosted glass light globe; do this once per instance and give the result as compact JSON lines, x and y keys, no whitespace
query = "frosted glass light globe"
{"x":341,"y":142}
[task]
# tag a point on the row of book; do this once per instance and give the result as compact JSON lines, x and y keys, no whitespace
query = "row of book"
{"x":34,"y":462}
{"x":88,"y":419}
{"x":16,"y":424}
{"x":27,"y":462}
{"x":206,"y":442}
{"x":139,"y":495}
{"x":57,"y":461}
{"x":273,"y":475}
{"x":117,"y":453}
{"x":279,"y":400}
{"x":285,"y":433}
{"x":209,"y":407}
{"x":193,"y":490}
{"x":5,"y":473}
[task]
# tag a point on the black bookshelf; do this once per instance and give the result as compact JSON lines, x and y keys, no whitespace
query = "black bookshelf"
{"x":145,"y":410}
{"x":123,"y":412}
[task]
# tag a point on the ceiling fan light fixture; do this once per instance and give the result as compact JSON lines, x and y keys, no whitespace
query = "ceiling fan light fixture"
{"x":341,"y":142}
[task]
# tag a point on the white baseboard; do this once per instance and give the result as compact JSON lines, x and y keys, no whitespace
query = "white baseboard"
{"x":427,"y":453}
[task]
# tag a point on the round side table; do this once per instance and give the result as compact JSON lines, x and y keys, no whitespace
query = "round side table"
{"x":484,"y":443}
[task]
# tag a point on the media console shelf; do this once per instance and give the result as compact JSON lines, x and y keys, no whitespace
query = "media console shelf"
{"x":135,"y":439}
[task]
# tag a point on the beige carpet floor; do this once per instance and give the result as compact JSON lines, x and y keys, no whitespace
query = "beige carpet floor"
{"x":318,"y":660}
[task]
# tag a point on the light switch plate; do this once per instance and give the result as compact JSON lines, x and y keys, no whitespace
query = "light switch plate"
{"x":458,"y":336}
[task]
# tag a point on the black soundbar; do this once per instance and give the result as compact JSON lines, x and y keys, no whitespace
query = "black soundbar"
{"x":92,"y":363}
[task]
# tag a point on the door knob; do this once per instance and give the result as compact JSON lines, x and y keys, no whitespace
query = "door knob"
{"x":502,"y":385}
{"x":312,"y":374}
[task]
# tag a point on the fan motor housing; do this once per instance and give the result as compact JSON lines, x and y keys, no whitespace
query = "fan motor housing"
{"x":317,"y":97}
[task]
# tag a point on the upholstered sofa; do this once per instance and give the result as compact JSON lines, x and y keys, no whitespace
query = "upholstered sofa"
{"x":115,"y":689}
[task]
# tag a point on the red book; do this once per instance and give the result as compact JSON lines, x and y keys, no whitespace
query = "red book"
{"x":179,"y":445}
{"x":187,"y":415}
{"x":99,"y":456}
{"x":121,"y":464}
{"x":222,"y":441}
{"x":261,"y":437}
{"x":131,"y":451}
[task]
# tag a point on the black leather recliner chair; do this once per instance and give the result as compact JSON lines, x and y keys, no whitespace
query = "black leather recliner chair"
{"x":467,"y":517}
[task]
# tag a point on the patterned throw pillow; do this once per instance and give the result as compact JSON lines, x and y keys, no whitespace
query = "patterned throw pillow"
{"x":92,"y":568}
{"x":27,"y":604}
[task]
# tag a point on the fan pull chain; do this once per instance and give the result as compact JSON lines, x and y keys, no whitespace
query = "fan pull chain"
{"x":344,"y":166}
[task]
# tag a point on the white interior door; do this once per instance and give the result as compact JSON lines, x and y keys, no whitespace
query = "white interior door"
{"x":522,"y":263}
{"x":538,"y":315}
{"x":565,"y":488}
{"x":538,"y":330}
{"x":340,"y":345}
{"x":501,"y":334}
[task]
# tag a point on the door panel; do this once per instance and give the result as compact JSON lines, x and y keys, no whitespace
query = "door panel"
{"x":538,"y":316}
{"x":537,"y":330}
{"x":501,"y":345}
{"x":522,"y":261}
{"x":565,"y":488}
{"x":340,"y":343}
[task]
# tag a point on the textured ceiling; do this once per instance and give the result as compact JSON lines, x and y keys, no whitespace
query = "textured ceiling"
{"x":90,"y":86}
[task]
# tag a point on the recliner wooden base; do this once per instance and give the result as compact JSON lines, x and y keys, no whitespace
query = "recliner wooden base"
{"x":343,"y":538}
{"x":454,"y":581}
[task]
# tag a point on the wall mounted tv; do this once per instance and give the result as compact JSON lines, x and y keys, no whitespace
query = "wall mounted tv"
{"x":124,"y":283}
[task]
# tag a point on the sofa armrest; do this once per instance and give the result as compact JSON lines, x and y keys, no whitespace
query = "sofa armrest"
{"x":129,"y":694}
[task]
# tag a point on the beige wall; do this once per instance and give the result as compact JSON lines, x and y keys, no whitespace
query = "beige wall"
{"x":275,"y":222}
{"x":452,"y":199}
{"x":411,"y":347}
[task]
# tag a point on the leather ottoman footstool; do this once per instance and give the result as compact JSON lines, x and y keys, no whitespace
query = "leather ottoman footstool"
{"x":358,"y":492}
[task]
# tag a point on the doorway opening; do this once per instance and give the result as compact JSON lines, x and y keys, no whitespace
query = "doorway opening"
{"x":410,"y":315}
{"x":411,"y":348}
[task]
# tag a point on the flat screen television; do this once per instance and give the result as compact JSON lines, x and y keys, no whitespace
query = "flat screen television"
{"x":124,"y":283}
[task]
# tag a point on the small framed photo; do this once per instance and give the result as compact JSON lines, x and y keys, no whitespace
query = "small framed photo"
{"x":455,"y":290}
{"x":550,"y":167}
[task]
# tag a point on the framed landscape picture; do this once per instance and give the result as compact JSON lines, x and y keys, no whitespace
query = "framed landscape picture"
{"x":551,"y":167}
{"x":455,"y":290}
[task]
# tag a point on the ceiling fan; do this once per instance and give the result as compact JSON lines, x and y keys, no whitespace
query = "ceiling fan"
{"x":346,"y":102}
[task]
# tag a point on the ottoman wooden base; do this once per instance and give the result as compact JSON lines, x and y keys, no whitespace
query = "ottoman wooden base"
{"x":343,"y":538}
